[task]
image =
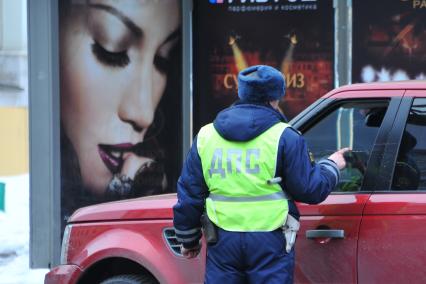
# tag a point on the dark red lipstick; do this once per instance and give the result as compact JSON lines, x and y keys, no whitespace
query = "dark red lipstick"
{"x":112,"y":155}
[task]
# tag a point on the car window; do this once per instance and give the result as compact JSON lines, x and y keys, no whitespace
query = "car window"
{"x":410,"y":166}
{"x":351,"y":124}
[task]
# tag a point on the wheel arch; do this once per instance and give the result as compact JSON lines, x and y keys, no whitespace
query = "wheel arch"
{"x":112,"y":266}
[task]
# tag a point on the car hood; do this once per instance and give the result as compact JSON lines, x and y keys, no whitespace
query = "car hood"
{"x":143,"y":208}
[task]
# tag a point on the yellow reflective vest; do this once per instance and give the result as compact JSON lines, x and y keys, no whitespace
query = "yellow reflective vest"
{"x":236,"y":174}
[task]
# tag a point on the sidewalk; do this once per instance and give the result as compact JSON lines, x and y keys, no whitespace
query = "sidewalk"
{"x":14,"y":234}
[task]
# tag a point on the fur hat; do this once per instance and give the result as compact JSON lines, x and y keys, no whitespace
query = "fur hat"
{"x":260,"y":83}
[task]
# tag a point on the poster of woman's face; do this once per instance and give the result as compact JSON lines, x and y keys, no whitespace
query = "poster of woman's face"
{"x":120,"y":99}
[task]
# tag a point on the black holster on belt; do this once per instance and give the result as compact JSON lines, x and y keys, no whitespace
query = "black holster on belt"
{"x":209,"y":229}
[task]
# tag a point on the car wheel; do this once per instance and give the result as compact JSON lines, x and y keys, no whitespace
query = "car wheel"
{"x":130,"y":279}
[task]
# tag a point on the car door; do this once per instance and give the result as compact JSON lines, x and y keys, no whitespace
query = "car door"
{"x":327,"y":243}
{"x":392,"y":239}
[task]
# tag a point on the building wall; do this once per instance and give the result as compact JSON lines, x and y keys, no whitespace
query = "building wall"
{"x":13,"y":88}
{"x":14,"y":140}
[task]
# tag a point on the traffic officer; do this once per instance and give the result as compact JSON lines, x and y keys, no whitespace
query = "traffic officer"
{"x":226,"y":174}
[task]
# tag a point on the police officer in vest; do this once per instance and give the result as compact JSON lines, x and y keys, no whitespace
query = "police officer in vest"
{"x":245,"y":170}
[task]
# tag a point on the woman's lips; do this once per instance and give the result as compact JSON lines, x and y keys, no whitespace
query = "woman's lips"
{"x":112,"y":155}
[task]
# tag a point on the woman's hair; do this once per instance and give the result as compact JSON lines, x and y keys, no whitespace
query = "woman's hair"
{"x":73,"y":194}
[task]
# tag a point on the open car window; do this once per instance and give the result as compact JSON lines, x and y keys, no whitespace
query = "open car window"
{"x":350,"y":124}
{"x":410,"y":166}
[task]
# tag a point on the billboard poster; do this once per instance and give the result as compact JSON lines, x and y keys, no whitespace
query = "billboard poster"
{"x":389,"y":40}
{"x":294,"y":36}
{"x":120,"y":100}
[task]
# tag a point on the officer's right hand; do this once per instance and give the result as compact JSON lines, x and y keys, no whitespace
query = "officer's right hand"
{"x":338,"y":158}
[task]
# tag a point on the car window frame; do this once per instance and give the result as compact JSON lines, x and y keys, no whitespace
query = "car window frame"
{"x":328,"y":105}
{"x":392,"y":148}
{"x":378,"y":158}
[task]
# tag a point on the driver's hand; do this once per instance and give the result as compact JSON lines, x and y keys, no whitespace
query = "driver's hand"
{"x":338,"y":158}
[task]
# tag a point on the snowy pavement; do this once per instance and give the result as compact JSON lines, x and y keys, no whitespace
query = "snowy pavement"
{"x":14,"y":234}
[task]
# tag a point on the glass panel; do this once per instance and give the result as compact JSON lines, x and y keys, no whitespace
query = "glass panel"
{"x":354,"y":125}
{"x":410,"y":168}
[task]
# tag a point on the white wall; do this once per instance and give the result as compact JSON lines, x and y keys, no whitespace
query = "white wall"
{"x":13,"y":53}
{"x":13,"y":21}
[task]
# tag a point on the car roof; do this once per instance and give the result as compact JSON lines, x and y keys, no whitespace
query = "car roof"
{"x":396,"y":85}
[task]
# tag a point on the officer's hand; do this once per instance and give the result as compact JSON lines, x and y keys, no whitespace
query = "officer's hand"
{"x":191,"y":252}
{"x":338,"y":158}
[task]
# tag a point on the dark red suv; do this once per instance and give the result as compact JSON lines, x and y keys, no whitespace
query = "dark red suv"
{"x":371,"y":229}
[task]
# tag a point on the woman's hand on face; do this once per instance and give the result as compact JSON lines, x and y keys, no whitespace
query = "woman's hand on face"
{"x":134,"y":178}
{"x":147,"y":174}
{"x":132,"y":163}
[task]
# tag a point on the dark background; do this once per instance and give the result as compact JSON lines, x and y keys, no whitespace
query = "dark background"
{"x":263,"y":37}
{"x":389,"y":35}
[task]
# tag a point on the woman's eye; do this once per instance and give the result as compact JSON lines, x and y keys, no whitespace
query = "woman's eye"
{"x":162,"y":64}
{"x":113,"y":59}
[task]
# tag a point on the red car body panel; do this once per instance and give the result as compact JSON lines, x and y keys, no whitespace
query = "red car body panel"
{"x":326,"y":260}
{"x":366,"y":94}
{"x":67,"y":273}
{"x":137,"y":241}
{"x":392,"y":237}
{"x":415,"y":93}
{"x":382,"y":86}
{"x":384,"y":233}
{"x":129,"y":229}
{"x":146,"y":208}
{"x":336,"y":204}
{"x":396,"y":204}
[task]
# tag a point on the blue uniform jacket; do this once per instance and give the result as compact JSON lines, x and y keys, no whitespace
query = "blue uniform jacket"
{"x":302,"y":179}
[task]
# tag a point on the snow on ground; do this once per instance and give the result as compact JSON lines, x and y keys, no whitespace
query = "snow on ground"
{"x":14,"y":234}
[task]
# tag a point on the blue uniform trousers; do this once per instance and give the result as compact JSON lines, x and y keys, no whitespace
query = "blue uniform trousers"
{"x":249,"y":257}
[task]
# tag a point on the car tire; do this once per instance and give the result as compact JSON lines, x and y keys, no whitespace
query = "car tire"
{"x":130,"y":279}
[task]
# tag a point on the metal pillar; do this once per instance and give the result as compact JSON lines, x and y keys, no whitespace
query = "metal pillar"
{"x":187,"y":77}
{"x":343,"y":42}
{"x":44,"y":132}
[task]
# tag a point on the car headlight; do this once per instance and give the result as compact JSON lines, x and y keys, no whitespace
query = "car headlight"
{"x":65,"y":244}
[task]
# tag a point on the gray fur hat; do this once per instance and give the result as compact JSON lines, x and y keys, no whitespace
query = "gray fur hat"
{"x":260,"y":83}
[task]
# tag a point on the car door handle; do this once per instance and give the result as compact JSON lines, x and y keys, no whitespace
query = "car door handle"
{"x":334,"y":234}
